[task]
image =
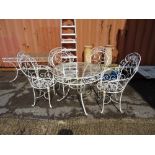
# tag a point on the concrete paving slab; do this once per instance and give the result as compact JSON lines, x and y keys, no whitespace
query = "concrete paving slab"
{"x":16,"y":99}
{"x":3,"y":110}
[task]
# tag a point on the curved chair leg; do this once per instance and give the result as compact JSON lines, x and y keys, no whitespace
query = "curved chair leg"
{"x":49,"y":97}
{"x":103,"y":102}
{"x":120,"y":100}
{"x":83,"y":104}
{"x":34,"y":98}
{"x":54,"y":87}
{"x":54,"y":90}
{"x":63,"y":89}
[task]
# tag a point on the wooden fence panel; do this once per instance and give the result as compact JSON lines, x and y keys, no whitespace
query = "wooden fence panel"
{"x":39,"y":36}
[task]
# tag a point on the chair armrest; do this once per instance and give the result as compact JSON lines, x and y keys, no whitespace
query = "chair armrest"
{"x":45,"y":71}
{"x":44,"y":67}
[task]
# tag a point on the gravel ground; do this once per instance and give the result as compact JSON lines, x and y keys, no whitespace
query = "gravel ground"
{"x":77,"y":126}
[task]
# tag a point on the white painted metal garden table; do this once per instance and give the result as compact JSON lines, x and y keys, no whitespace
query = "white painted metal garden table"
{"x":76,"y":75}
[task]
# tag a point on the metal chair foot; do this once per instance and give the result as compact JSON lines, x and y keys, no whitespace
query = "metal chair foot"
{"x":50,"y":106}
{"x":33,"y":105}
{"x":102,"y":111}
{"x":121,"y":111}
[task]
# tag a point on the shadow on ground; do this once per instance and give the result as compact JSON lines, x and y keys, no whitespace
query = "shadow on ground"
{"x":146,"y":88}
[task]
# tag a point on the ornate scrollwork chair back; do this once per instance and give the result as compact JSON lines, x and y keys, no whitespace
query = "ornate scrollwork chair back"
{"x":99,"y":55}
{"x":59,"y":58}
{"x":60,"y":55}
{"x":51,"y":53}
{"x":129,"y":66}
{"x":27,"y":64}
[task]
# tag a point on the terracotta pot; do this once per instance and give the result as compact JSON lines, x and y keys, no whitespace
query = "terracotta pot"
{"x":112,"y":54}
{"x":87,"y":53}
{"x":109,"y":49}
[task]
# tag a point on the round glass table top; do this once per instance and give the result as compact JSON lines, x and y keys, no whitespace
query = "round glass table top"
{"x":77,"y":70}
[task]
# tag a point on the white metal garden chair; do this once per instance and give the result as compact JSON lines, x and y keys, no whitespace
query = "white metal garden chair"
{"x":98,"y":56}
{"x":57,"y":56}
{"x":39,"y":76}
{"x":113,"y":83}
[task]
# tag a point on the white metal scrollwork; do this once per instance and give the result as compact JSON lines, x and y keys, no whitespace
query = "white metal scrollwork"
{"x":99,"y":55}
{"x":114,"y":81}
{"x":39,"y":76}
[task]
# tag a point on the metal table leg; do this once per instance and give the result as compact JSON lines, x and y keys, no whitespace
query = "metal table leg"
{"x":17,"y":70}
{"x":64,"y":95}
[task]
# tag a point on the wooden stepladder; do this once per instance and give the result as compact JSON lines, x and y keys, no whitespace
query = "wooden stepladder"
{"x":68,"y":35}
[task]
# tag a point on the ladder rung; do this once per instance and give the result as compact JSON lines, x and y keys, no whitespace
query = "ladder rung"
{"x":68,"y":26}
{"x":68,"y":41}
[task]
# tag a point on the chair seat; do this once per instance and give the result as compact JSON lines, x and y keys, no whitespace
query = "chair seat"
{"x":110,"y":86}
{"x":42,"y":83}
{"x":111,"y":75}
